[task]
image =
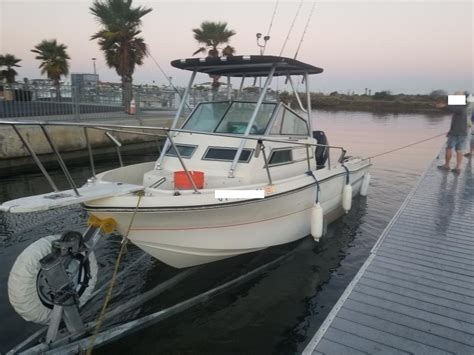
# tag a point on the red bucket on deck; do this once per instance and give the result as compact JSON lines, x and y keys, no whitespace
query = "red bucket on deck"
{"x":181,"y":180}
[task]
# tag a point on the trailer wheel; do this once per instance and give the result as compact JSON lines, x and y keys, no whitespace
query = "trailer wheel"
{"x":22,"y":281}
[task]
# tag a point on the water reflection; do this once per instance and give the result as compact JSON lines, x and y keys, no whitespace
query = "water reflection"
{"x":446,"y":198}
{"x":467,"y":189}
{"x":270,"y":303}
{"x":384,"y":115}
{"x":275,"y":312}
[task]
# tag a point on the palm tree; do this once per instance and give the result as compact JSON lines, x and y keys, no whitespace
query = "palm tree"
{"x":119,"y":39}
{"x":9,"y":61}
{"x":54,"y":61}
{"x":212,"y":35}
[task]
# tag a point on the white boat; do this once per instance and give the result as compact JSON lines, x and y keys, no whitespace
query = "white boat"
{"x":236,"y":177}
{"x":187,"y":225}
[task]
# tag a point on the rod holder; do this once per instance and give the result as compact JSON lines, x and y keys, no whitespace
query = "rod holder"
{"x":258,"y":148}
{"x":113,"y":139}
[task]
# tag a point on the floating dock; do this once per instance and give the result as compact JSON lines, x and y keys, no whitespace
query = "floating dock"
{"x":415,"y":292}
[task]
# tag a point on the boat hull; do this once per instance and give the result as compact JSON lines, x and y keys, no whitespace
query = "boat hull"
{"x":192,"y":236}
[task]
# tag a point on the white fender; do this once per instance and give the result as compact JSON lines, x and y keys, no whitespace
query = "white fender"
{"x":22,"y":281}
{"x":364,"y":188}
{"x":317,"y":221}
{"x":347,"y":197}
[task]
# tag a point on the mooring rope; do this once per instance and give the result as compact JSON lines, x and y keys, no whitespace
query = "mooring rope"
{"x":403,"y":147}
{"x":291,"y":27}
{"x":114,"y":277}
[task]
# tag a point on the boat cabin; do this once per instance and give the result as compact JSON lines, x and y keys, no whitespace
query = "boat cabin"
{"x":220,"y":138}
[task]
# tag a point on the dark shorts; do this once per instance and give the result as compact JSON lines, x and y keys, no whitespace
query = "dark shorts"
{"x":456,"y":142}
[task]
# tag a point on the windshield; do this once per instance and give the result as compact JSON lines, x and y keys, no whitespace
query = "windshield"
{"x":207,"y":116}
{"x":289,"y":123}
{"x":230,"y":117}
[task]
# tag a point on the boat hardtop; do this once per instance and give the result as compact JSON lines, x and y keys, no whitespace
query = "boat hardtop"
{"x":246,"y":65}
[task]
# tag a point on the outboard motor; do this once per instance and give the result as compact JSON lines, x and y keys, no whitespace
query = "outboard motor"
{"x":321,"y":153}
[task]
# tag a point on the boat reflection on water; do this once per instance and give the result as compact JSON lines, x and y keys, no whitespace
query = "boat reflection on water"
{"x":269,"y":302}
{"x":274,"y":311}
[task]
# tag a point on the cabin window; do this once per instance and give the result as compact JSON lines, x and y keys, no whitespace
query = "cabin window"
{"x":237,"y":118}
{"x":281,"y":156}
{"x":185,"y":151}
{"x":206,"y":117}
{"x":227,"y":154}
{"x":288,"y":123}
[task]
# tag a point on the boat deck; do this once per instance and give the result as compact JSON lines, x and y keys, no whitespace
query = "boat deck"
{"x":415,"y":292}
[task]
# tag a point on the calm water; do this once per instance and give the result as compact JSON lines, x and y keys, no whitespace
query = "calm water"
{"x":276,"y":312}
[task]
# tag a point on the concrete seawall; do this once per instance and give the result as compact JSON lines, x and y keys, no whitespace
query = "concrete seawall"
{"x":70,"y":141}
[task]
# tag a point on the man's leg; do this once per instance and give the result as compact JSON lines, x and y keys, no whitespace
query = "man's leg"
{"x":447,"y":157}
{"x":471,"y":151}
{"x":459,"y":157}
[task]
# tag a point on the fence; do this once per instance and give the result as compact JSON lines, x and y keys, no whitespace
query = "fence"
{"x":35,"y":102}
{"x":44,"y":102}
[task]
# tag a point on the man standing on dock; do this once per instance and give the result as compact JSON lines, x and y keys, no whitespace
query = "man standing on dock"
{"x":457,"y":135}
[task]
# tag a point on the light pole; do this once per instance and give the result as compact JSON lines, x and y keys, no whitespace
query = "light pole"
{"x":96,"y":81}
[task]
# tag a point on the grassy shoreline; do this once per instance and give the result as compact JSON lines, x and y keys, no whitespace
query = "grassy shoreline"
{"x":387,"y":104}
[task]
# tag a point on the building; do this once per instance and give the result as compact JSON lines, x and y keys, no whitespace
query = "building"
{"x":85,"y":86}
{"x":81,"y":80}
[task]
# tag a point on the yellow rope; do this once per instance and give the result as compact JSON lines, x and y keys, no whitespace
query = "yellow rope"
{"x":114,"y":275}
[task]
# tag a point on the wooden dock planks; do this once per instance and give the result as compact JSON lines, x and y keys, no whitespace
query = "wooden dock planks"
{"x":415,"y":293}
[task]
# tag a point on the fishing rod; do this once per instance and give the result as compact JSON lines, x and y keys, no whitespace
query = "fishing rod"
{"x":267,"y":37}
{"x":306,"y":27}
{"x":273,"y":17}
{"x":291,"y":27}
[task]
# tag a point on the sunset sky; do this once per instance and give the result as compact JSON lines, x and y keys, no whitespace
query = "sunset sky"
{"x":402,"y":46}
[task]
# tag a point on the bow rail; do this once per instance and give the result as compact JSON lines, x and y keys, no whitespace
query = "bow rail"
{"x":151,"y":131}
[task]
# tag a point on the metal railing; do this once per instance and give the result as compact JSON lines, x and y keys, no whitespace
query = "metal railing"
{"x":104,"y":101}
{"x":75,"y":103}
{"x":150,"y":131}
{"x":35,"y":102}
